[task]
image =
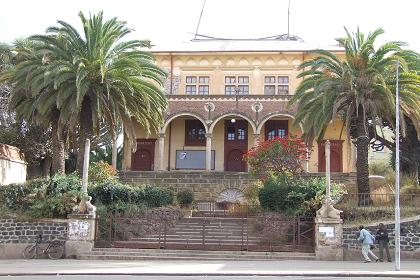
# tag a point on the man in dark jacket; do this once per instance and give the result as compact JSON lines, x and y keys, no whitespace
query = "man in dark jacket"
{"x":383,"y":240}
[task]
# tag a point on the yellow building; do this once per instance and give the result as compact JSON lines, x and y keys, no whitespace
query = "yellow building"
{"x":224,"y":96}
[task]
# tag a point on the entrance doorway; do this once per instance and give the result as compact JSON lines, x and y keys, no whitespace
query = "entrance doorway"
{"x":336,"y":156}
{"x":236,"y":145}
{"x":143,"y":158}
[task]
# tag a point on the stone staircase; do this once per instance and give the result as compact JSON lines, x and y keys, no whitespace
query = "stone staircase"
{"x":198,"y":238}
{"x":201,"y":233}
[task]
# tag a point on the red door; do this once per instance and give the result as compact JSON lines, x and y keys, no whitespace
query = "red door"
{"x":143,"y":158}
{"x":234,"y":161}
{"x":336,"y":156}
{"x":236,"y":144}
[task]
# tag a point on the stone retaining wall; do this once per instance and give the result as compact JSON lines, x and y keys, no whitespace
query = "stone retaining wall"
{"x":207,"y":185}
{"x":15,"y":235}
{"x":410,"y":238}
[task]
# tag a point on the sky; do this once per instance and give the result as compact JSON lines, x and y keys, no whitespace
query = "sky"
{"x":169,"y":22}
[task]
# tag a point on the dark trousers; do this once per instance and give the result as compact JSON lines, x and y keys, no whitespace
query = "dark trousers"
{"x":383,"y":244}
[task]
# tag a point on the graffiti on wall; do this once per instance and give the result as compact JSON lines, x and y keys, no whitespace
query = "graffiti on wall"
{"x":78,"y":229}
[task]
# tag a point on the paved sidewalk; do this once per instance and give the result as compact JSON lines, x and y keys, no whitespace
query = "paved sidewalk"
{"x":200,"y":268}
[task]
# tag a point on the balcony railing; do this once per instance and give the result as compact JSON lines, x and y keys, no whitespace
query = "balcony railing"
{"x":284,"y":97}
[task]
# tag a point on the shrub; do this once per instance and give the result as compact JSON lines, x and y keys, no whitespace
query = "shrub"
{"x":62,"y":194}
{"x":157,"y":196}
{"x":49,"y":197}
{"x":290,"y":195}
{"x":109,"y":193}
{"x":101,"y":172}
{"x":15,"y":196}
{"x":23,"y":196}
{"x":379,"y":168}
{"x":251,"y":193}
{"x":277,"y":156}
{"x":185,"y":197}
{"x":113,"y":194}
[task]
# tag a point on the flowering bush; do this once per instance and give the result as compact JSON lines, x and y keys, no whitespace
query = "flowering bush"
{"x":277,"y":156}
{"x":101,"y":172}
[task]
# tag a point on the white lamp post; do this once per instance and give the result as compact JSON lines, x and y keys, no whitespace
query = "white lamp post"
{"x":397,"y":175}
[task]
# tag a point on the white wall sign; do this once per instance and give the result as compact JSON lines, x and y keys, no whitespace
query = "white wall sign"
{"x":327,"y":231}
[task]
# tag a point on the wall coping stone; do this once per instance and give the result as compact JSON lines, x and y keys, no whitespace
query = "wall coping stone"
{"x":404,"y":220}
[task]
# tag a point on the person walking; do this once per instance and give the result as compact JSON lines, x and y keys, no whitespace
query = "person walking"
{"x":383,"y":241}
{"x":367,"y":240}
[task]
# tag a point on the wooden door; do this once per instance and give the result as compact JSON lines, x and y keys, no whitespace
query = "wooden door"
{"x":234,"y":161}
{"x":336,"y":156}
{"x":143,"y":158}
{"x":236,"y":145}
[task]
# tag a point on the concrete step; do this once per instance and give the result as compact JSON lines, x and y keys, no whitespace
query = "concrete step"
{"x":158,"y":254}
{"x":187,"y":252}
{"x":198,"y":235}
{"x":167,"y":253}
{"x":202,"y":258}
{"x":210,"y":226}
{"x":224,"y":231}
{"x":196,"y":241}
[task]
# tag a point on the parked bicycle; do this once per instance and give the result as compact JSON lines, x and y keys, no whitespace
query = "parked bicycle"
{"x":54,"y":249}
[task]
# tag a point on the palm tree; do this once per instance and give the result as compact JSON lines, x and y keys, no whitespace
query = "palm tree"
{"x":6,"y":56}
{"x":99,"y":77}
{"x":95,"y":78}
{"x":359,"y":89}
{"x":32,"y":100}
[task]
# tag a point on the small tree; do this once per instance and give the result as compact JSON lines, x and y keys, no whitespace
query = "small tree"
{"x":277,"y":156}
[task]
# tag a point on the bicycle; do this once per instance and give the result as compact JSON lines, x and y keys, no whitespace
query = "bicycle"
{"x":54,"y":249}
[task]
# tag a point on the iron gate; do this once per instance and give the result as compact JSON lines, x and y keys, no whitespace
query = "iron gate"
{"x":206,"y":233}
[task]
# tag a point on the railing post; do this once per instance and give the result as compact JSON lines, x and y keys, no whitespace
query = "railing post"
{"x":242,"y":235}
{"x":110,"y":228}
{"x":204,"y":233}
{"x":95,"y":240}
{"x":164,"y":237}
{"x":160,"y":233}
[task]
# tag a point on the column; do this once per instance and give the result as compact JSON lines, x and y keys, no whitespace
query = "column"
{"x":257,"y":139}
{"x":161,"y":151}
{"x":209,"y":136}
{"x":328,"y":168}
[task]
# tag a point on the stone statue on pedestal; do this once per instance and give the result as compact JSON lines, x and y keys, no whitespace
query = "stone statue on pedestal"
{"x":327,"y":210}
{"x":85,"y":207}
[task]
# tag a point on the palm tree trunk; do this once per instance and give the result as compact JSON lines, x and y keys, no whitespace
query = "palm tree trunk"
{"x":362,"y":161}
{"x":58,"y":149}
{"x":85,"y":132}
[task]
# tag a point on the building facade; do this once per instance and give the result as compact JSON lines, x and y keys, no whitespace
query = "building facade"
{"x":224,"y":96}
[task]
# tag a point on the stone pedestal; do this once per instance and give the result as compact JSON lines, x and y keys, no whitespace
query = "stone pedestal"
{"x":80,"y":235}
{"x":328,"y":234}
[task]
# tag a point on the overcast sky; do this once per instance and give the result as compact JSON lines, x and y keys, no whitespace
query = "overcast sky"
{"x":167,"y":22}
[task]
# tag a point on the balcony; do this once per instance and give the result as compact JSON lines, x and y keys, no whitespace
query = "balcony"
{"x":210,"y":107}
